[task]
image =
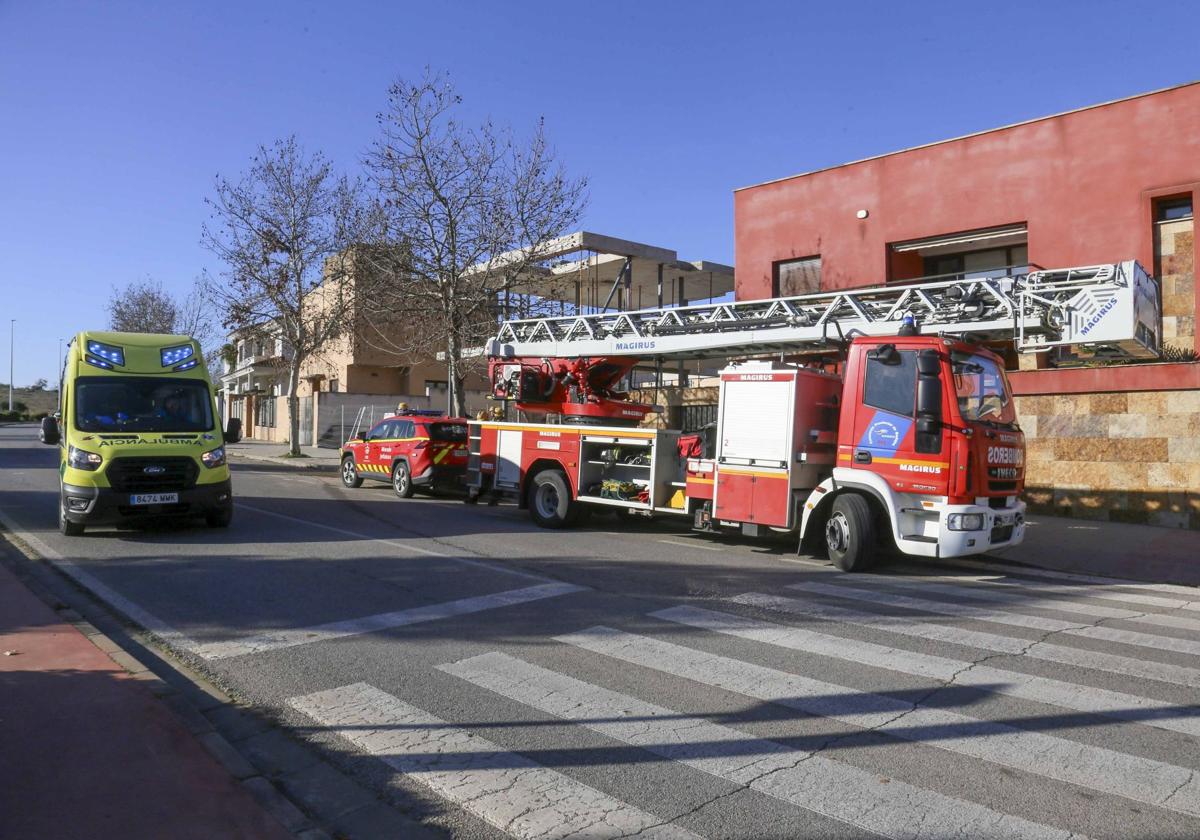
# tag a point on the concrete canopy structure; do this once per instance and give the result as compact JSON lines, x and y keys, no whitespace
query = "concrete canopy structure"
{"x":590,"y":271}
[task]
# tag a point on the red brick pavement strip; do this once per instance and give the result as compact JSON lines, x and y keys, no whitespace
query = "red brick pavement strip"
{"x":86,"y":751}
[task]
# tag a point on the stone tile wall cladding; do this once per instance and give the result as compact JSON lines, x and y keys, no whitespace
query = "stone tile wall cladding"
{"x":1126,"y":457}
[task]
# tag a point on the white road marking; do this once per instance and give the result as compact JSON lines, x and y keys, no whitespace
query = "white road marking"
{"x":505,"y":789}
{"x":1082,"y":698}
{"x":1108,"y":634}
{"x":1014,"y":596}
{"x":1103,"y":770}
{"x":692,"y":544}
{"x":798,"y":777}
{"x":383,"y":621}
{"x":134,"y":612}
{"x":1047,"y":574}
{"x":416,"y":549}
{"x":909,"y":626}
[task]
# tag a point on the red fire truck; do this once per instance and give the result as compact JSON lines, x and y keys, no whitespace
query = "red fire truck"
{"x":879,"y":417}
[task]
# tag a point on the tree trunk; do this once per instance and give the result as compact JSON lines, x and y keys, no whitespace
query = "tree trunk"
{"x":293,"y":402}
{"x":455,"y":378}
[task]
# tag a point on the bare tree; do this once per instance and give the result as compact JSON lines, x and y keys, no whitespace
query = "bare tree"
{"x":145,"y":306}
{"x":142,"y":306}
{"x":472,"y":210}
{"x":288,"y":230}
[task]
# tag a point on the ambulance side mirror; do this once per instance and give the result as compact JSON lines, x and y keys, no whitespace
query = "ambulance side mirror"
{"x":233,"y":430}
{"x":48,"y":433}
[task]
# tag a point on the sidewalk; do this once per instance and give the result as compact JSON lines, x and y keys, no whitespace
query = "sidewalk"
{"x":1109,"y":549}
{"x":257,"y":450}
{"x":86,"y":751}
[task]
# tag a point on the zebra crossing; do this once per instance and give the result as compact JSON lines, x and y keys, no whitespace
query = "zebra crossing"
{"x":888,"y":705}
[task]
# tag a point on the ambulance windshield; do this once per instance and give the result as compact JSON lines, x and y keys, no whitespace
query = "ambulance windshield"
{"x":142,"y":404}
{"x":982,"y":390}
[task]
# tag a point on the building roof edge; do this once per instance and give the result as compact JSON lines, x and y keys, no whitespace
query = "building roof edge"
{"x":968,"y":136}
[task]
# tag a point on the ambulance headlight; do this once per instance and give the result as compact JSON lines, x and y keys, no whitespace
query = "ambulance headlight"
{"x":83,"y":460}
{"x":214,"y":458}
{"x":965,"y":521}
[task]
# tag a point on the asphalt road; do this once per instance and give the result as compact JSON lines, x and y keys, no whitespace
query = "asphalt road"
{"x":495,"y":679}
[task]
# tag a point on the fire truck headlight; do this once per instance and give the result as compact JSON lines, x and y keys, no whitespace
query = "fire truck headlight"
{"x":214,"y":458}
{"x":83,"y":460}
{"x":965,"y":522}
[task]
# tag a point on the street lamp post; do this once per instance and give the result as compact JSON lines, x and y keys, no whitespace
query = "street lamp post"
{"x":12,"y":345}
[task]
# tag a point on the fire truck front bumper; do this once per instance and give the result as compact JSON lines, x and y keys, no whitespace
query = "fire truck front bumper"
{"x":974,"y":529}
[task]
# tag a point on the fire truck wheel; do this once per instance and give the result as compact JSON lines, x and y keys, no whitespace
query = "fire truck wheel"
{"x":550,"y":502}
{"x":401,"y":480}
{"x":349,"y":473}
{"x":850,"y":533}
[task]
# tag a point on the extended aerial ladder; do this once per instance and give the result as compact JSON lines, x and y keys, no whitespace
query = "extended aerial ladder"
{"x":1109,"y":311}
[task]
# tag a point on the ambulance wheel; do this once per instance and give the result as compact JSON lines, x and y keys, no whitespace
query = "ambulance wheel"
{"x":401,"y":480}
{"x":549,"y":500}
{"x":219,"y":518}
{"x":350,"y":477}
{"x":850,"y":533}
{"x":65,"y":526}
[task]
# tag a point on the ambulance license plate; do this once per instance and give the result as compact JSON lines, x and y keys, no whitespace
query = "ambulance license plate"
{"x":154,"y":498}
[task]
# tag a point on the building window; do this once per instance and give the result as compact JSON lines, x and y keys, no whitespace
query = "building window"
{"x":991,"y":252}
{"x":333,"y":386}
{"x":264,"y":411}
{"x":1173,"y":209}
{"x":797,"y":277}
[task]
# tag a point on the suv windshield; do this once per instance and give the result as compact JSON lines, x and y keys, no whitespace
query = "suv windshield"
{"x":982,"y":390}
{"x":448,"y":431}
{"x":142,"y":404}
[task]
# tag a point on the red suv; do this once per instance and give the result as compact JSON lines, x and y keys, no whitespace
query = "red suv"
{"x":410,"y":451}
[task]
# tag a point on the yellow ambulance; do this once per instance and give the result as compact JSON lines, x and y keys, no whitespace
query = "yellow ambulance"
{"x":138,"y":433}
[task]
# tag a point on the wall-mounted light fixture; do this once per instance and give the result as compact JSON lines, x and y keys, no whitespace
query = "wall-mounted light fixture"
{"x":862,"y":214}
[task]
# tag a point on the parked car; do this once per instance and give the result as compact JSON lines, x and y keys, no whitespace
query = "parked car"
{"x":412,"y":450}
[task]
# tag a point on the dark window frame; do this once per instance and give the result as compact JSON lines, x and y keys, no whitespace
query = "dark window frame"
{"x":1163,"y":208}
{"x":777,"y":275}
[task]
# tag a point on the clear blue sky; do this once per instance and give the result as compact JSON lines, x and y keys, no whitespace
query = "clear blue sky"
{"x":116,"y":115}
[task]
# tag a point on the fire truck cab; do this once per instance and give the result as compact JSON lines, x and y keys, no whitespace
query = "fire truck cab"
{"x":411,"y":450}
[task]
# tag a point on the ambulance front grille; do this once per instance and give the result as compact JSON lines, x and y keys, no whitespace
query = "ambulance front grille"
{"x":152,"y":475}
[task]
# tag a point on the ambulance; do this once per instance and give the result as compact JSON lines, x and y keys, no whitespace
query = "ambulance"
{"x":138,"y":433}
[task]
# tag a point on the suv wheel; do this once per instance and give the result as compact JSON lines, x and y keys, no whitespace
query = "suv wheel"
{"x":401,"y":480}
{"x":350,"y":473}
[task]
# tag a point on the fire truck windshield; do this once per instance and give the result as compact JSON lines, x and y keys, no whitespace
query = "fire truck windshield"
{"x":982,"y":390}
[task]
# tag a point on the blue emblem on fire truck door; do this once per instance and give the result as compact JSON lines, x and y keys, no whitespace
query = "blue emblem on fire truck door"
{"x":885,"y":432}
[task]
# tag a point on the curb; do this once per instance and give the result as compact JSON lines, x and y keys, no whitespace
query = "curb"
{"x":285,"y":463}
{"x":270,"y":764}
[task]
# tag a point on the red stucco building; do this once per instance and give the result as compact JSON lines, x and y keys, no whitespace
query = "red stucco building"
{"x":1100,"y":184}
